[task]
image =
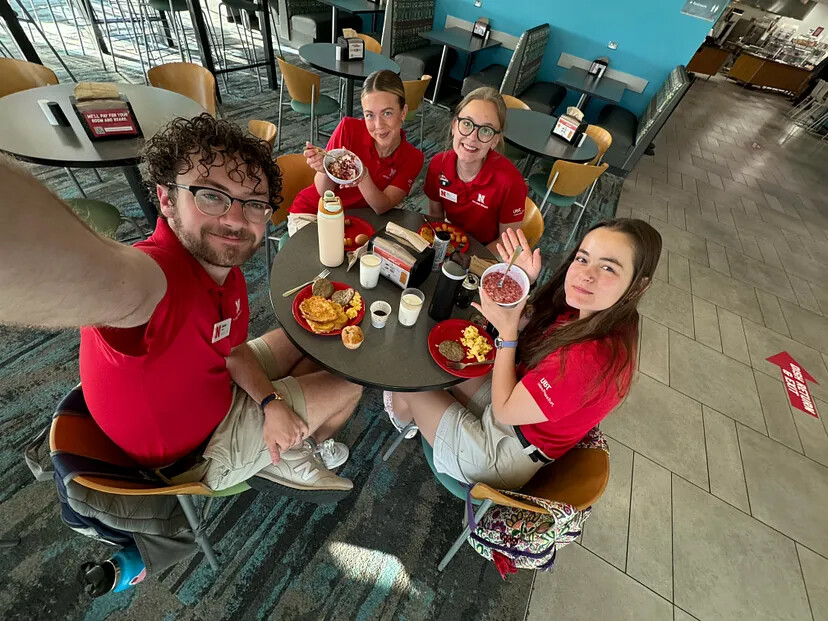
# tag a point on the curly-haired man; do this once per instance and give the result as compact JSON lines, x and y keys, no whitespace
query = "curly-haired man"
{"x":166,"y":368}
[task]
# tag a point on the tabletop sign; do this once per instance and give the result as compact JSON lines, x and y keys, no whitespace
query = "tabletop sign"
{"x":598,"y":67}
{"x":566,"y":128}
{"x":795,"y":378}
{"x":351,"y":48}
{"x":481,"y":28}
{"x":107,"y":119}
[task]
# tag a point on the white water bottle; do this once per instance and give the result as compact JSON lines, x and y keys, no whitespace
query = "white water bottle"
{"x":331,"y":228}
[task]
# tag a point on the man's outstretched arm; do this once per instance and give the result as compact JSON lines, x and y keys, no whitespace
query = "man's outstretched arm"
{"x":56,"y":272}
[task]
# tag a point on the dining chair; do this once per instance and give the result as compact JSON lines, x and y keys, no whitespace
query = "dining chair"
{"x":371,"y":44}
{"x":414,"y":96}
{"x":532,"y":225}
{"x":188,"y":79}
{"x":305,"y":98}
{"x":602,"y":138}
{"x":243,"y":9}
{"x":513,"y":153}
{"x":296,"y":176}
{"x":21,"y":75}
{"x":569,"y":181}
{"x":83,"y":454}
{"x":514,"y":102}
{"x":578,"y":478}
{"x":263,"y":130}
{"x":100,"y":216}
{"x":175,"y":8}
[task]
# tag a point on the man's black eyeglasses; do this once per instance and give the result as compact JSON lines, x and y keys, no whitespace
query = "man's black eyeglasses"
{"x":213,"y":202}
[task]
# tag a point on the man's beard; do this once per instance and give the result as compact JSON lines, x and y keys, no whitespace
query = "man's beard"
{"x":200,"y":248}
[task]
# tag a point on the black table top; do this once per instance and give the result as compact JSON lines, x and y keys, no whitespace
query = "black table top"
{"x":580,"y":80}
{"x":532,"y":132}
{"x":322,"y":56}
{"x":392,"y":358}
{"x":459,"y":39}
{"x":26,"y":134}
{"x":357,"y":6}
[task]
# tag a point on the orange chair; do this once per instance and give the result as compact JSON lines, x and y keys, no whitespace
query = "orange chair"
{"x":263,"y":130}
{"x":296,"y":176}
{"x":532,"y":224}
{"x":303,"y":89}
{"x":188,"y":79}
{"x":414,"y":95}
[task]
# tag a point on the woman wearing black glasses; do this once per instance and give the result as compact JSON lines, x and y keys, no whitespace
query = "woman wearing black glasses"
{"x":472,"y":185}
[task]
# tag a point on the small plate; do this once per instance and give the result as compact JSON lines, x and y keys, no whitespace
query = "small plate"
{"x":452,"y":330}
{"x":451,"y":228}
{"x":358,"y":226}
{"x":307,"y":292}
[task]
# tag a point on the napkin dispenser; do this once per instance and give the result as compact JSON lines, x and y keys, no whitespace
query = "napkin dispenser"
{"x":104,"y":112}
{"x":598,"y":67}
{"x":571,"y":127}
{"x":403,"y":266}
{"x":350,"y":48}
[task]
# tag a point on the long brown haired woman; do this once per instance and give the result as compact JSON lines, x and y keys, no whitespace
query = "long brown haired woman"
{"x":390,"y":162}
{"x":561,"y":367}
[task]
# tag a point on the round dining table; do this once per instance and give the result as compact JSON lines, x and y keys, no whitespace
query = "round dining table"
{"x":392,"y":358}
{"x":27,"y":135}
{"x":322,"y":56}
{"x":531,"y":131}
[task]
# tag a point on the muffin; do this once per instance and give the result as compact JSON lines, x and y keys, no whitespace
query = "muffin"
{"x":352,"y":336}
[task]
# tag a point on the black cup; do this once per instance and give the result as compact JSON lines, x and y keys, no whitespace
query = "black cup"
{"x":451,"y":276}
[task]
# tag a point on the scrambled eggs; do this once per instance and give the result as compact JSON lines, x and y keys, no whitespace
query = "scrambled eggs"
{"x":476,"y":345}
{"x":354,"y":306}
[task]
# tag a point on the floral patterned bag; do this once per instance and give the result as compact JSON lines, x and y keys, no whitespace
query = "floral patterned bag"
{"x":519,"y":539}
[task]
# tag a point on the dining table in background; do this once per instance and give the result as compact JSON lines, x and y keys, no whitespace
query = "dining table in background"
{"x":26,"y":134}
{"x":531,"y":131}
{"x":356,"y":7}
{"x":322,"y":56}
{"x":603,"y":88}
{"x":392,"y":358}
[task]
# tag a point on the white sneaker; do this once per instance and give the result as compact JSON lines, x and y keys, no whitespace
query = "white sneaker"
{"x":302,"y":469}
{"x":333,"y":454}
{"x":398,"y":424}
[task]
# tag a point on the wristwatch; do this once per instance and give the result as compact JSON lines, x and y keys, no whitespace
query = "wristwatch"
{"x":274,"y":396}
{"x":500,"y":343}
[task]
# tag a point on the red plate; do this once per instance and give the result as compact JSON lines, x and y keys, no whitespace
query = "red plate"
{"x":452,"y":330}
{"x":451,"y":228}
{"x":307,"y":292}
{"x":358,"y":226}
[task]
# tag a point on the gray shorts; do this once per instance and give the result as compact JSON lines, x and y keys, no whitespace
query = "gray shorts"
{"x":236,"y":450}
{"x":473,"y":447}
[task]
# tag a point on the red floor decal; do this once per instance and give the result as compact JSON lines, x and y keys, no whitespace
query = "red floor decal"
{"x":795,"y":378}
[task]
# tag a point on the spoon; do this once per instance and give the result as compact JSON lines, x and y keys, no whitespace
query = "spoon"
{"x":515,"y":254}
{"x":430,"y":226}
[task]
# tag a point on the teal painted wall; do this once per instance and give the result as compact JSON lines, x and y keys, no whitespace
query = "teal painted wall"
{"x":653,"y":36}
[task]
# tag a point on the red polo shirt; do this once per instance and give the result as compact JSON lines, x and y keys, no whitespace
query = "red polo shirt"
{"x":159,"y":390}
{"x":570,"y":401}
{"x":399,"y":169}
{"x":497,"y":195}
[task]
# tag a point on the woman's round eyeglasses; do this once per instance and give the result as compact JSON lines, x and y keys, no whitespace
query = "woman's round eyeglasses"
{"x":485,"y":133}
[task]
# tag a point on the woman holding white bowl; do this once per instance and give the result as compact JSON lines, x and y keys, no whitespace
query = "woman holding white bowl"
{"x":561,"y":366}
{"x":390,"y":164}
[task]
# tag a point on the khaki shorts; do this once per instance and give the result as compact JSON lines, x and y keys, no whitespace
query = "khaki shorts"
{"x":297,"y":221}
{"x":236,"y":451}
{"x":473,"y":447}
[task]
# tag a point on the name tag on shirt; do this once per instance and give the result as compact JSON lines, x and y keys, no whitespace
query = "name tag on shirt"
{"x":221,"y":330}
{"x":451,"y":196}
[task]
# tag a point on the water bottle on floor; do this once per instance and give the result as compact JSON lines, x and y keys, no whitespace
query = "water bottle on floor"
{"x":124,"y":570}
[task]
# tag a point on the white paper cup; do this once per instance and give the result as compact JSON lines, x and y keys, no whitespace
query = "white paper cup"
{"x":369,"y":270}
{"x":378,"y":320}
{"x":411,"y":303}
{"x":518,"y":274}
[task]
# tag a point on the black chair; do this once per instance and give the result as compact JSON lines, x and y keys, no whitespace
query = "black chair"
{"x":309,"y":21}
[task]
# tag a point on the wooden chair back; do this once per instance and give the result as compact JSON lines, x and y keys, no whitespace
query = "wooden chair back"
{"x":80,"y":435}
{"x":532,"y":223}
{"x":573,"y":178}
{"x":414,"y":92}
{"x":263,"y":130}
{"x":188,"y":79}
{"x":371,"y":44}
{"x":296,"y":176}
{"x":302,"y":85}
{"x":514,"y":102}
{"x":20,"y":75}
{"x":579,"y":478}
{"x":602,"y":138}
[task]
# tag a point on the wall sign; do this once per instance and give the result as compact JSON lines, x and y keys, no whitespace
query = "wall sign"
{"x":795,"y":378}
{"x":704,"y":9}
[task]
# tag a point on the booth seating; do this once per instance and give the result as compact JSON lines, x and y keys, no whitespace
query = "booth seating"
{"x":401,"y":40}
{"x":309,"y":21}
{"x":518,"y":79}
{"x":632,"y":136}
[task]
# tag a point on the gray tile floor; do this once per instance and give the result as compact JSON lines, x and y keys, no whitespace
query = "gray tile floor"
{"x":717,"y":501}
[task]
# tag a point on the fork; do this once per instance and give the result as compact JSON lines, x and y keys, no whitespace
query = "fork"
{"x":459,"y":366}
{"x":290,"y":292}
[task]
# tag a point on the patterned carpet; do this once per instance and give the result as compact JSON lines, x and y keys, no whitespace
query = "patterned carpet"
{"x":371,"y":556}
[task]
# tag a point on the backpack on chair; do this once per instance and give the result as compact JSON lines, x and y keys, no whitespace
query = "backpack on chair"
{"x":515,"y":538}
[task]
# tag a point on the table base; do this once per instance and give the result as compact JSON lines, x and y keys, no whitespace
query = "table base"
{"x":136,"y":184}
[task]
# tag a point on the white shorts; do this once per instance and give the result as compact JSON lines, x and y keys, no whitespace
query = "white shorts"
{"x":473,"y":447}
